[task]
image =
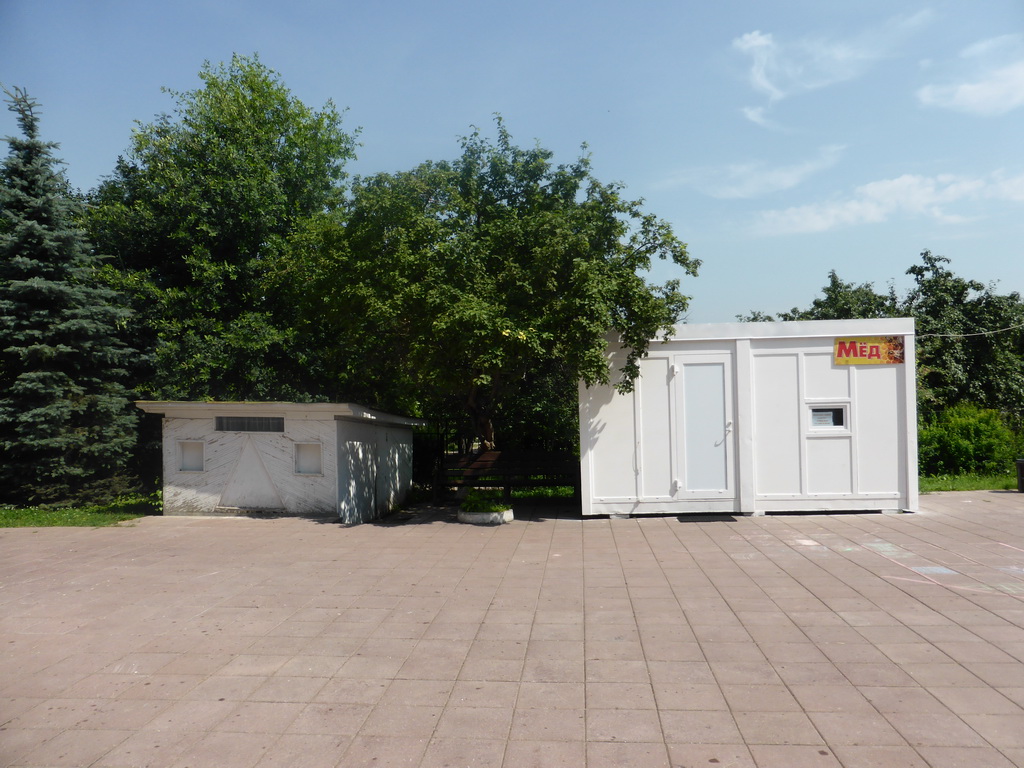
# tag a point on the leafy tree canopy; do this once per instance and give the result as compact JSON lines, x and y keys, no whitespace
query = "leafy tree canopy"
{"x":459,"y":280}
{"x":66,"y":420}
{"x":196,"y":214}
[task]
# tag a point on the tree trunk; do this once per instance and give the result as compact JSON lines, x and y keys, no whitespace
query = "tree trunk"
{"x":482,"y":423}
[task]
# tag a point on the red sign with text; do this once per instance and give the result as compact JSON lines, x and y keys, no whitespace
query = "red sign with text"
{"x":869,"y":350}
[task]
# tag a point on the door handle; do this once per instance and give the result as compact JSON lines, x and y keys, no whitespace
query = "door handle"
{"x":728,"y":430}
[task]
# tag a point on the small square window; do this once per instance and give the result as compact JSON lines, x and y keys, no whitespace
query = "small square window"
{"x":308,"y":459}
{"x":191,"y":456}
{"x":827,"y":418}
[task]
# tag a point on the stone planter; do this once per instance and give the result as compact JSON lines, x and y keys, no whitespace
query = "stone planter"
{"x":486,"y":518}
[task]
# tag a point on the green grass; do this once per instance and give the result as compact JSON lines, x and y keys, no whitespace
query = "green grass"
{"x":545,"y":492}
{"x":93,"y":515}
{"x":1001,"y":482}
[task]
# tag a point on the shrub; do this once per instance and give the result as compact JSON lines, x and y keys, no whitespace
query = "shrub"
{"x":966,"y":439}
{"x":478,"y":502}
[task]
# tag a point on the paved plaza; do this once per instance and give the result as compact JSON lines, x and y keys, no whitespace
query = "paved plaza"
{"x":788,"y":641}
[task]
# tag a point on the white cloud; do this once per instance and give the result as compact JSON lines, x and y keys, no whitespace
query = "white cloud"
{"x":993,"y":46}
{"x":993,"y":85}
{"x":780,"y":70}
{"x":876,"y":202}
{"x":747,"y":180}
{"x":767,"y":64}
{"x":759,"y":115}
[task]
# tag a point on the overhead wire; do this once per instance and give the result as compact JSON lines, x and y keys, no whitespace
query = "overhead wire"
{"x":967,"y":335}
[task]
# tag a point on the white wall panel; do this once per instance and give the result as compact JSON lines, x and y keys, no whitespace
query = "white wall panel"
{"x":878,"y":427}
{"x":776,"y":434}
{"x":656,"y":461}
{"x":823,"y":380}
{"x":829,"y":465}
{"x":611,"y":422}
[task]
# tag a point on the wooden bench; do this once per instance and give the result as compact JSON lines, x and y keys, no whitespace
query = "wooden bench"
{"x":512,"y":469}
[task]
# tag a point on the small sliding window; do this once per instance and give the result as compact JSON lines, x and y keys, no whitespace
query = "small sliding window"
{"x":250,"y":424}
{"x":829,"y":417}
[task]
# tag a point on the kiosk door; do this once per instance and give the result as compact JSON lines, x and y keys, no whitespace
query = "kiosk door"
{"x":705,"y":434}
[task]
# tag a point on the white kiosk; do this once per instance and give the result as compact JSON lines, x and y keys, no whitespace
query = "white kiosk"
{"x":749,"y":418}
{"x":336,"y":459}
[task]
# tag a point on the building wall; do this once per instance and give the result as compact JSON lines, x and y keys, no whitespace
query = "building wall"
{"x":795,"y":459}
{"x":374,"y":469}
{"x":247,"y":470}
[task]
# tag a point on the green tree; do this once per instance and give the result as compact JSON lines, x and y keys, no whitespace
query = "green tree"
{"x":197,"y":214}
{"x":461,"y":280}
{"x":66,"y":420}
{"x":970,"y":341}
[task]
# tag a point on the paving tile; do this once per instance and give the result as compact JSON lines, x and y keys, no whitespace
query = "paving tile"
{"x":375,"y":752}
{"x":118,"y":714}
{"x":619,"y":696}
{"x":998,"y":674}
{"x":745,"y":673}
{"x":977,"y":701}
{"x":491,"y":669}
{"x":149,"y":748}
{"x":603,"y":754}
{"x":430,"y":668}
{"x":539,"y":695}
{"x":783,"y":653}
{"x":255,"y":664}
{"x":790,"y":756}
{"x":305,"y":751}
{"x":215,"y":750}
{"x":401,"y":720}
{"x":482,"y":693}
{"x":330,"y":719}
{"x":700,"y":727}
{"x":689,"y":696}
{"x":760,"y":698}
{"x":717,"y":755}
{"x":472,"y":722}
{"x":554,"y":670}
{"x":877,"y":674}
{"x":680,"y":672}
{"x":1002,"y":731}
{"x":546,"y":754}
{"x":17,"y":742}
{"x":861,"y":728}
{"x":548,"y":725}
{"x":75,"y":748}
{"x":632,"y":725}
{"x":225,"y":687}
{"x":941,"y":675}
{"x":965,"y":757}
{"x":261,"y":717}
{"x":191,"y":716}
{"x":879,"y":757}
{"x":934,"y":730}
{"x":283,"y":688}
{"x":777,"y":728}
{"x":344,"y":691}
{"x":446,"y":752}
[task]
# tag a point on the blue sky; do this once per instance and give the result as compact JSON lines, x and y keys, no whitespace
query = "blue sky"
{"x":781,"y":139}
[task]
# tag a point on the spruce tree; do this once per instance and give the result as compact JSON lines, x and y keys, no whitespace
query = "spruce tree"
{"x":67,"y":423}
